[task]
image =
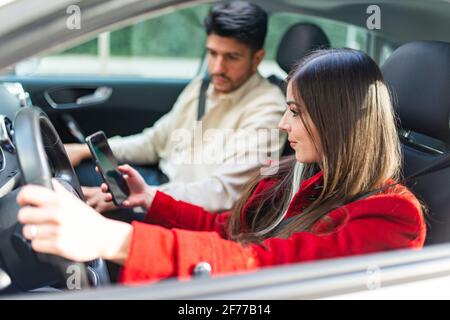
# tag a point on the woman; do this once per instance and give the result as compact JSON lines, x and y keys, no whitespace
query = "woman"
{"x":337,"y":197}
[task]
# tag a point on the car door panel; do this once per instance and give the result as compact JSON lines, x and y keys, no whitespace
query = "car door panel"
{"x":132,"y":105}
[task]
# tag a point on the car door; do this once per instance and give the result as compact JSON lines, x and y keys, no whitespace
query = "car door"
{"x":121,"y":81}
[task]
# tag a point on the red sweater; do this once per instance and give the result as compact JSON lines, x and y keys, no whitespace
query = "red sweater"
{"x":178,"y":235}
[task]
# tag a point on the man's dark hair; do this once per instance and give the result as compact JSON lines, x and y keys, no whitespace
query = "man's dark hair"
{"x":244,"y":21}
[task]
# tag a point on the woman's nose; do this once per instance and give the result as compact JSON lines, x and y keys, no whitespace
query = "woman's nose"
{"x":283,"y":124}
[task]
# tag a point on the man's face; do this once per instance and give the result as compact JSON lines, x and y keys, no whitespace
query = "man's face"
{"x":230,"y":63}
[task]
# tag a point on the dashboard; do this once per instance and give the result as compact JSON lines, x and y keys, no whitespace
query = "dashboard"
{"x":12,"y":98}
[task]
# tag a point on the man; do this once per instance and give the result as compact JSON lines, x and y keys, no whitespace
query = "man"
{"x":208,"y":162}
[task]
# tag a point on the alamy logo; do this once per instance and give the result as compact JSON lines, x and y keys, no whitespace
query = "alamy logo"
{"x":374,"y":20}
{"x":74,"y":279}
{"x":373,"y":280}
{"x":74,"y":20}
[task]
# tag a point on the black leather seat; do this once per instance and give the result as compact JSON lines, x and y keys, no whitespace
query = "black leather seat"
{"x":297,"y":41}
{"x":418,"y":73}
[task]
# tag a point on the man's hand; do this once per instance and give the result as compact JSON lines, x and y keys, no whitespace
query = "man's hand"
{"x":98,"y":200}
{"x":77,"y":152}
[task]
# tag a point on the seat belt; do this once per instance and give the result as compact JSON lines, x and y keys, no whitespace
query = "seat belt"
{"x":202,"y":97}
{"x":437,"y":165}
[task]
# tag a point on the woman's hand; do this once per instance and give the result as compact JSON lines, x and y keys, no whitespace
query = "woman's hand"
{"x":141,"y":194}
{"x":58,"y":223}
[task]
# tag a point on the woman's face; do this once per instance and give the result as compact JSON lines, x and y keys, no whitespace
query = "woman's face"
{"x":307,"y":149}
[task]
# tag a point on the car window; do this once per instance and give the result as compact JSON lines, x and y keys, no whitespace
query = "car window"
{"x":339,"y":34}
{"x":167,"y":46}
{"x":172,"y":45}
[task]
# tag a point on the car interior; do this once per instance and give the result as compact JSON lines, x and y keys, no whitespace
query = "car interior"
{"x":297,"y":41}
{"x":419,"y":76}
{"x":65,"y":109}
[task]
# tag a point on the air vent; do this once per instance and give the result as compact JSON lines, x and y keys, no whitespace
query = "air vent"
{"x":6,"y":133}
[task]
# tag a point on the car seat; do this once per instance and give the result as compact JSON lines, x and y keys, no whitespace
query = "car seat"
{"x":297,"y":41}
{"x":418,"y":75}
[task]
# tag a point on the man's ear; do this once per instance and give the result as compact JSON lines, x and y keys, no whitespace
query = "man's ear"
{"x":258,"y":56}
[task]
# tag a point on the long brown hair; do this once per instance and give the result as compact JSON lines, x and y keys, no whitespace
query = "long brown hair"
{"x":344,"y":93}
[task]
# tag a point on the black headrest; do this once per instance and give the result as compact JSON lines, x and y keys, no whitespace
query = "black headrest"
{"x":297,"y":41}
{"x":418,"y":73}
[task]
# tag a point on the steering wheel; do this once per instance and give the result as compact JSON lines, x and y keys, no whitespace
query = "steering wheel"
{"x":41,"y":157}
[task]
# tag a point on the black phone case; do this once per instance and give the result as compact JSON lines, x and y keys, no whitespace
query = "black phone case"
{"x":97,"y":163}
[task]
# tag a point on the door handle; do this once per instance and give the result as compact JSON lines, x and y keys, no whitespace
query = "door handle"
{"x":100,"y":95}
{"x":97,"y":96}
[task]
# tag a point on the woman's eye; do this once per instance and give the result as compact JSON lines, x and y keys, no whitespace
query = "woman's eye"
{"x":294,"y":112}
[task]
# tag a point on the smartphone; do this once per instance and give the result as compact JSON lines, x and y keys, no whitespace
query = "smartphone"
{"x":107,"y":166}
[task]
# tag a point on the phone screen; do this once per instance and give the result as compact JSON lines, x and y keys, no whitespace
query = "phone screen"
{"x":107,"y":165}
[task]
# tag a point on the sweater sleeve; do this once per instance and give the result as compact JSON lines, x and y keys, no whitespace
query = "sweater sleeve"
{"x":170,"y":213}
{"x":157,"y":252}
{"x":374,"y":226}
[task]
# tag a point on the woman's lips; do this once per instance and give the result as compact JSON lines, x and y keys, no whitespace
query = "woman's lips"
{"x":292,"y":143}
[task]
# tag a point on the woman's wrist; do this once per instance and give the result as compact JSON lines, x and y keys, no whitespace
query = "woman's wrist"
{"x":150,"y":193}
{"x":115,"y":240}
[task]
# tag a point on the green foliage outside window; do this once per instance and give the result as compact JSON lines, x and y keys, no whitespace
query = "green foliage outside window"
{"x":178,"y":34}
{"x":181,"y":34}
